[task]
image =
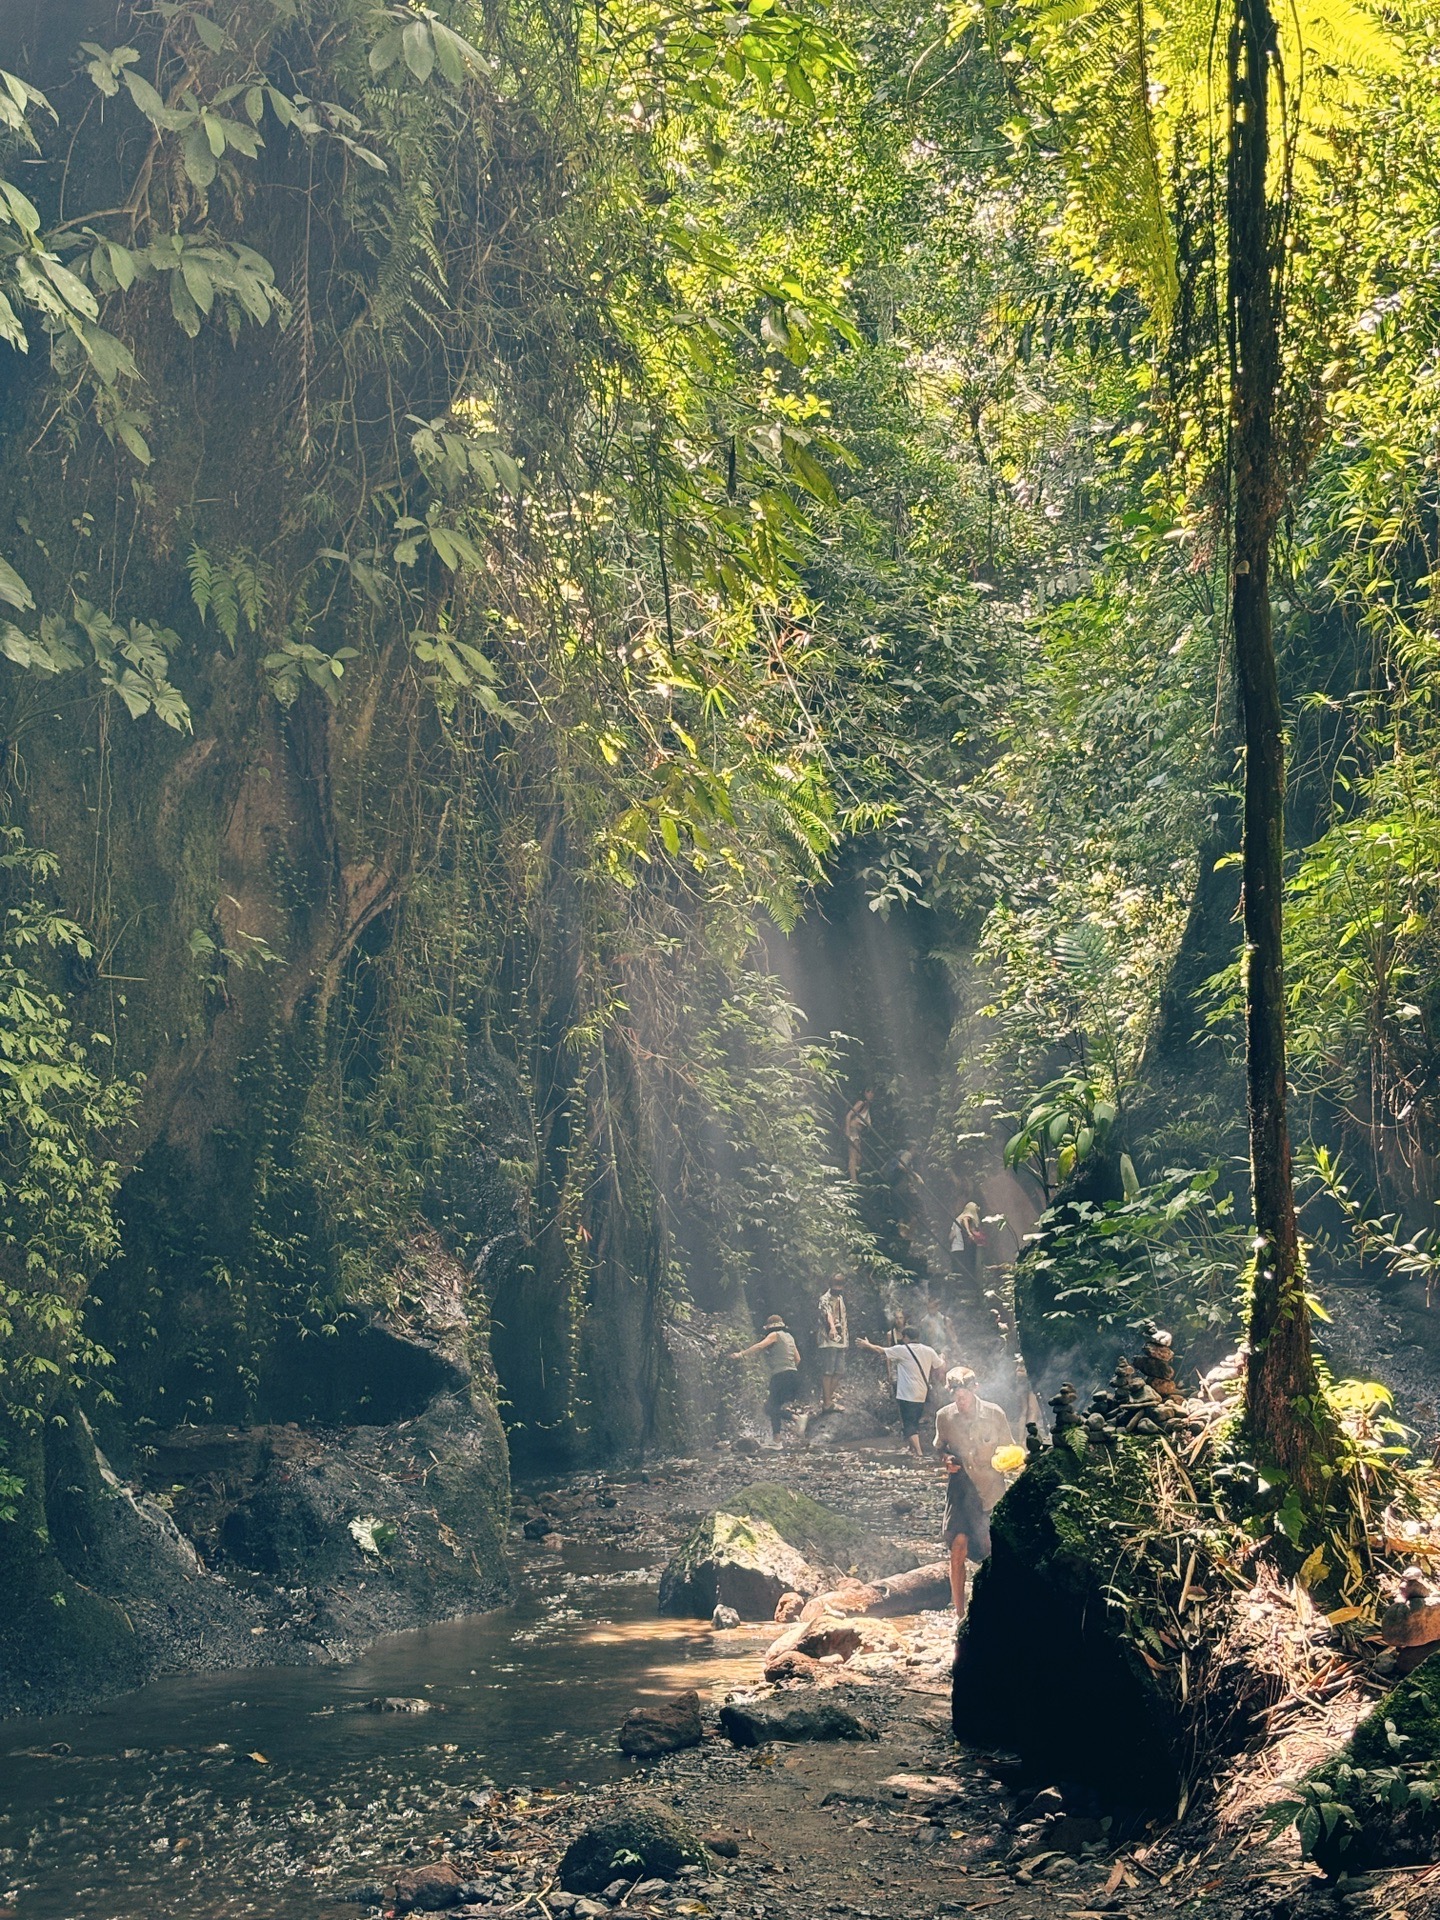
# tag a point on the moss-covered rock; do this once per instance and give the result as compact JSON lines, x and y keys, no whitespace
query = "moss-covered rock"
{"x":733,"y":1561}
{"x":1376,"y":1802}
{"x":769,"y":1540}
{"x":828,"y":1538}
{"x":644,"y":1839}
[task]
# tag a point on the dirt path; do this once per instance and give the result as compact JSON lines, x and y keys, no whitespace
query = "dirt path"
{"x":910,"y":1824}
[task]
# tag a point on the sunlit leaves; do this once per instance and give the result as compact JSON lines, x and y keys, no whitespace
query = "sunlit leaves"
{"x":57,"y":1177}
{"x":13,"y":590}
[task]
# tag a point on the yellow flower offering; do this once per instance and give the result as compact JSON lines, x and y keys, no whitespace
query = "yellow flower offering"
{"x":1008,"y":1459}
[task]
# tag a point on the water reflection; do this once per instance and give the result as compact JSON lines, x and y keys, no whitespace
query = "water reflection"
{"x":252,"y":1793}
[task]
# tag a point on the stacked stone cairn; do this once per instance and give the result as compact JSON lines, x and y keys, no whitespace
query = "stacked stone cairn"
{"x":1143,"y":1397}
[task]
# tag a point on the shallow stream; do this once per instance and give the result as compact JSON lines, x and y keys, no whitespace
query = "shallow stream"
{"x":216,"y":1795}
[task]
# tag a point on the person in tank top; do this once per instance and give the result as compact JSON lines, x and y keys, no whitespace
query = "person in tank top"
{"x":783,"y":1358}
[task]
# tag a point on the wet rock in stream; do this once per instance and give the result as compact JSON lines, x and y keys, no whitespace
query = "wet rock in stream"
{"x":429,"y":1889}
{"x":732,"y":1561}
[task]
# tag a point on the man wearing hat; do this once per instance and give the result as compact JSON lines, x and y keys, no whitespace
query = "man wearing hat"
{"x":967,"y":1431}
{"x":783,"y":1358}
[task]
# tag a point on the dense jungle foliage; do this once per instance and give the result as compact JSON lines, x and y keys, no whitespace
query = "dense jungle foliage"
{"x":515,"y":516}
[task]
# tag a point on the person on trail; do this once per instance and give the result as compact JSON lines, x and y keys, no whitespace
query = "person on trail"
{"x":783,"y":1357}
{"x":967,"y":1238}
{"x":915,"y":1366}
{"x":967,"y":1432}
{"x":832,"y":1342}
{"x":857,"y":1119}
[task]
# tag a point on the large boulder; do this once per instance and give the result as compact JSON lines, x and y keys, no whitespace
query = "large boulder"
{"x":643,"y":1839}
{"x":736,"y":1555}
{"x":792,"y":1716}
{"x":826,"y":1538}
{"x":732,"y":1561}
{"x":1049,"y":1663}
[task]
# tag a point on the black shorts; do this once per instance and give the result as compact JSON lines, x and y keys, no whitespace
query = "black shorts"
{"x":965,"y":1514}
{"x":784,"y":1387}
{"x":912,"y":1412}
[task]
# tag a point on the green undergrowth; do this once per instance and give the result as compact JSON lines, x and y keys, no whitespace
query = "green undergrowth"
{"x":1376,"y":1803}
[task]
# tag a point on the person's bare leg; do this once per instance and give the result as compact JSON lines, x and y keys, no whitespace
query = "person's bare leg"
{"x":914,"y":1445}
{"x":827,"y":1391}
{"x":959,"y":1549}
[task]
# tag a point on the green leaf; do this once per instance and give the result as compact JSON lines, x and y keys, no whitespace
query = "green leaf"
{"x":215,"y":38}
{"x":145,"y":97}
{"x":386,"y":51}
{"x":130,"y":436}
{"x":196,"y":151}
{"x":187,"y":314}
{"x":13,"y":590}
{"x":11,"y":330}
{"x":798,"y":85}
{"x":419,"y":50}
{"x":122,"y":265}
{"x":511,"y":478}
{"x":74,"y":292}
{"x":18,"y":209}
{"x":111,"y":358}
{"x":198,"y":283}
{"x":447,"y":58}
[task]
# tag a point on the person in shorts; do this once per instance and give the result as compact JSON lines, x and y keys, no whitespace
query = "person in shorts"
{"x":968,"y":1431}
{"x":783,"y":1357}
{"x":832,"y":1343}
{"x":915,"y":1366}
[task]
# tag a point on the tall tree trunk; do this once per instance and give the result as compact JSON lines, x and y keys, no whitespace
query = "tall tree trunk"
{"x":1281,"y":1367}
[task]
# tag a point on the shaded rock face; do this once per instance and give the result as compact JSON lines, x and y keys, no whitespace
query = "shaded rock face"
{"x":1042,"y":1666}
{"x":792,"y":1716}
{"x":732,"y":1561}
{"x":645,"y":1839}
{"x":338,"y":1535}
{"x":664,"y":1728}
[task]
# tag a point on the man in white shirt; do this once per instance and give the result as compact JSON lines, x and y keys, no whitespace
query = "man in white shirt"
{"x":915,"y":1366}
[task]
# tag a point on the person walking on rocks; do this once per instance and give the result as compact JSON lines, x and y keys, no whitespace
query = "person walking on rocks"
{"x":967,"y":1432}
{"x":915,"y":1365}
{"x":832,"y":1342}
{"x":783,"y":1357}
